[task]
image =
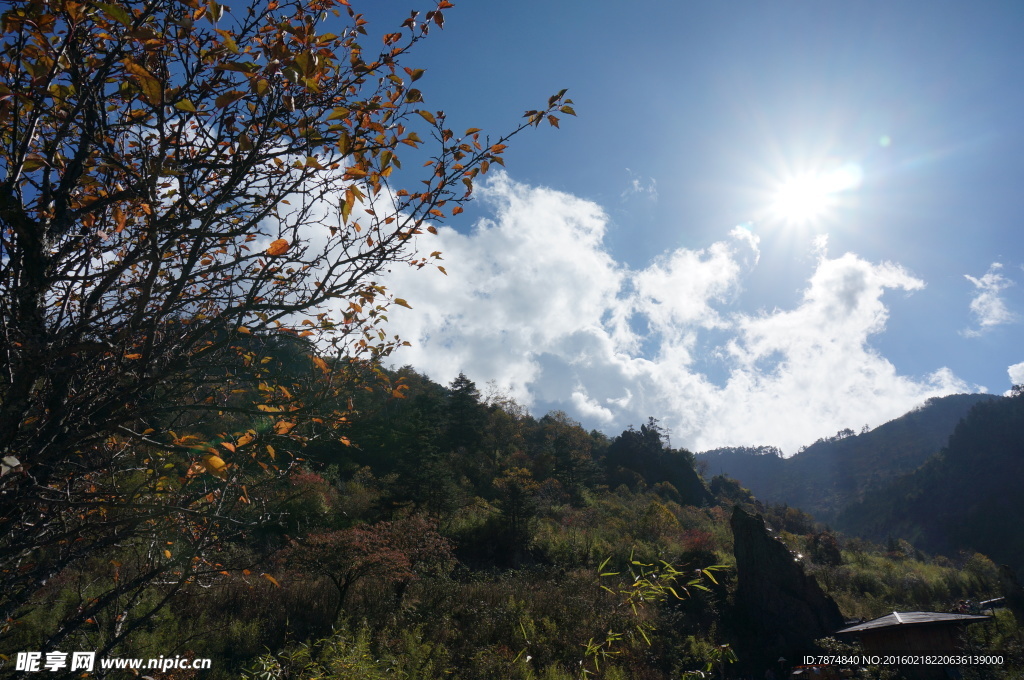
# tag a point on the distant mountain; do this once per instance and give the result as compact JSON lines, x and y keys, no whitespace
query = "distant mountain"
{"x":835,"y":472}
{"x":969,"y":497}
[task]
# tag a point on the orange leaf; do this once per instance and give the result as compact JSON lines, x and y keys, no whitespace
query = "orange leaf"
{"x":283,"y":427}
{"x":321,"y":364}
{"x":278,"y":247}
{"x":229,"y":446}
{"x":271,"y":579}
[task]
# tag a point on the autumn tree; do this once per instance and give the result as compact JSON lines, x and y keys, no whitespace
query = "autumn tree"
{"x":390,"y":554}
{"x":189,"y":188}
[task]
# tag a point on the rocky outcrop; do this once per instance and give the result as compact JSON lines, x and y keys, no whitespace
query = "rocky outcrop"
{"x":780,"y":608}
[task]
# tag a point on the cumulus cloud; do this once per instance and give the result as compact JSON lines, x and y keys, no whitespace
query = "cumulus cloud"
{"x":535,"y":302}
{"x":815,"y":362}
{"x":533,"y":280}
{"x":987,"y":306}
{"x":1016,"y":372}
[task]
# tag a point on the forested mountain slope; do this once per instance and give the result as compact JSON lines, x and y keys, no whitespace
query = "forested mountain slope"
{"x":834,"y":472}
{"x":969,"y":497}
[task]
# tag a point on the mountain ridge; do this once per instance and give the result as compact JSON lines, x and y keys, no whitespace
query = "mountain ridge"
{"x":835,"y":472}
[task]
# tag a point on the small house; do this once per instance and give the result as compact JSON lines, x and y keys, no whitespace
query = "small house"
{"x":907,"y":634}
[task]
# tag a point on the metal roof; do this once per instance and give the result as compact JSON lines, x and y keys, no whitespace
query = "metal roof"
{"x":912,"y":619}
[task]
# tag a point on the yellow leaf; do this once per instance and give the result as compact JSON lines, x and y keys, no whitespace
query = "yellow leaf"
{"x":278,"y":247}
{"x":167,"y":554}
{"x":427,"y":116}
{"x":215,"y":465}
{"x":228,"y":98}
{"x":243,"y":329}
{"x":403,"y":303}
{"x":185,"y":105}
{"x":119,"y":219}
{"x":229,"y":41}
{"x":152,"y":90}
{"x":340,"y":112}
{"x":321,"y":364}
{"x":115,"y":12}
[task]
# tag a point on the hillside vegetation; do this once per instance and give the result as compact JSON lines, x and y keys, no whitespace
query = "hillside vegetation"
{"x":453,"y":536}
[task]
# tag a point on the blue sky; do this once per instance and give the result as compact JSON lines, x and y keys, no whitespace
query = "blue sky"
{"x":642,"y":261}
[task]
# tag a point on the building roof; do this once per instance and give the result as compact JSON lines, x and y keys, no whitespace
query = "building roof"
{"x":897,"y":619}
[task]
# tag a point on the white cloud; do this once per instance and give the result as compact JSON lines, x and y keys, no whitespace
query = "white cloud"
{"x":638,"y":187}
{"x":1016,"y":372}
{"x":535,"y":302}
{"x":534,"y":280}
{"x":588,"y":408}
{"x":812,"y":369}
{"x":987,"y":307}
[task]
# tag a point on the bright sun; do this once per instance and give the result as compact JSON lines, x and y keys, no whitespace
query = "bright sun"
{"x":810,"y":197}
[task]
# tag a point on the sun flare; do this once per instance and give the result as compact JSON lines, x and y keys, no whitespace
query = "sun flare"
{"x":812,"y":196}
